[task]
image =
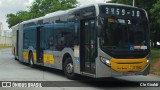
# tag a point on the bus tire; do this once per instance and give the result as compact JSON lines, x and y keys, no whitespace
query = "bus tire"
{"x":31,"y":61}
{"x":69,"y":69}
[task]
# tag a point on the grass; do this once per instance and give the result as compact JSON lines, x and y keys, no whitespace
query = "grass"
{"x":155,"y":63}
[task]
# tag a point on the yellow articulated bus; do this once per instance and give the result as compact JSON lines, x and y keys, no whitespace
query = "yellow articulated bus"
{"x":97,"y":40}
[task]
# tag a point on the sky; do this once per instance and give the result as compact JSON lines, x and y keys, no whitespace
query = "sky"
{"x":12,"y":6}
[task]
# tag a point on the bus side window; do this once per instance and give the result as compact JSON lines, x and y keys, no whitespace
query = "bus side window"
{"x":48,"y":39}
{"x":29,"y":38}
{"x":64,"y":39}
{"x":58,"y":42}
{"x":50,"y":43}
{"x":26,"y":41}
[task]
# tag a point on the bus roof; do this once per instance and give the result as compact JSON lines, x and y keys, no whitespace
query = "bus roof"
{"x":61,"y":12}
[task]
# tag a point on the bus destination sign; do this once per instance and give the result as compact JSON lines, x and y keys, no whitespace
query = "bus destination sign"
{"x":120,"y":11}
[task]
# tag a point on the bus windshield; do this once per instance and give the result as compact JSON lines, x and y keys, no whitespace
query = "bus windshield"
{"x":124,"y":31}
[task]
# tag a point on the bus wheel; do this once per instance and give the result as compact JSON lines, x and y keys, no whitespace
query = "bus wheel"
{"x":31,"y":61}
{"x":69,"y":69}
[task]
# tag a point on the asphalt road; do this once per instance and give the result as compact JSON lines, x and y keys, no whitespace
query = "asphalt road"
{"x":12,"y":70}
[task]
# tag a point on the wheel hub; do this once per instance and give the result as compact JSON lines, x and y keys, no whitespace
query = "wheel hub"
{"x":69,"y":68}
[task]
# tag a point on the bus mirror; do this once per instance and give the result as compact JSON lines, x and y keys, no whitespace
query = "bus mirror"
{"x":99,"y":30}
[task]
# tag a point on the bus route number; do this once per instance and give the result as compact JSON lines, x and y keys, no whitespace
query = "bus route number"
{"x":123,"y":12}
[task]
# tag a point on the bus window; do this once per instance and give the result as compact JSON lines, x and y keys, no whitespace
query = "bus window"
{"x":50,"y":43}
{"x":47,"y":38}
{"x":63,"y":40}
{"x":29,"y":38}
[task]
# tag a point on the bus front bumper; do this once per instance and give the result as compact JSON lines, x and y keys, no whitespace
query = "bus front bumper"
{"x":121,"y":68}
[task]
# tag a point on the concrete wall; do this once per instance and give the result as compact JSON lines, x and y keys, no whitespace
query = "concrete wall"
{"x":7,"y":41}
{"x":5,"y":36}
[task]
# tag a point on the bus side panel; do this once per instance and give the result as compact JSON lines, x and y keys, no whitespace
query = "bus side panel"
{"x":102,"y":70}
{"x":54,"y":59}
{"x":75,"y":60}
{"x":25,"y":54}
{"x":14,"y":42}
{"x":51,"y":59}
{"x":20,"y":44}
{"x":15,"y":37}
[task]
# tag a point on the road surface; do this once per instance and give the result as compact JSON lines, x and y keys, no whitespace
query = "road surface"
{"x":12,"y":70}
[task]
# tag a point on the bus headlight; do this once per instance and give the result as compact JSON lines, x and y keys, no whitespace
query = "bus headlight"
{"x":104,"y":60}
{"x":148,"y":58}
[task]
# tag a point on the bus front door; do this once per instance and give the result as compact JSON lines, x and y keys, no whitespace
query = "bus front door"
{"x":87,"y":45}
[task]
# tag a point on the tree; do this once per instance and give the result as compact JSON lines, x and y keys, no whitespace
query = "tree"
{"x":155,"y":12}
{"x":145,"y":4}
{"x":128,"y":2}
{"x":40,"y":8}
{"x":13,"y":19}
